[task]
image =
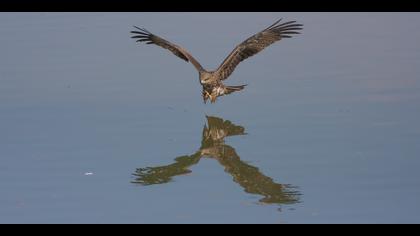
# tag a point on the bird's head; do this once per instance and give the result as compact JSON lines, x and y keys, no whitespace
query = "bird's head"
{"x":205,"y":77}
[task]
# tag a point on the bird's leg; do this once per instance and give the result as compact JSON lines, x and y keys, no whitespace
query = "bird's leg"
{"x":210,"y":96}
{"x":213,"y":99}
{"x":206,"y":95}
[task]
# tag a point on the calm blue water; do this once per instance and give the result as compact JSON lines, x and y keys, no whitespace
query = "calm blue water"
{"x":95,"y":128}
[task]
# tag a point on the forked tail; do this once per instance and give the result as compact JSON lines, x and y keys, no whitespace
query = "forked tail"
{"x":231,"y":89}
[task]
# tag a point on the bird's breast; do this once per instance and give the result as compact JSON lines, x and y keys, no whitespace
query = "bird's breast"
{"x":220,"y":90}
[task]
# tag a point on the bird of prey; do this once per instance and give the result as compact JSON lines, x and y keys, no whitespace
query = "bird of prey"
{"x":211,"y":81}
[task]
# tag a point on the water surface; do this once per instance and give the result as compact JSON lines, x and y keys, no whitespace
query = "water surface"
{"x":96,"y":128}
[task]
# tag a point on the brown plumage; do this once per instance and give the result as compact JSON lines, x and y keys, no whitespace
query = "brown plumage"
{"x":212,"y":80}
{"x":214,"y":146}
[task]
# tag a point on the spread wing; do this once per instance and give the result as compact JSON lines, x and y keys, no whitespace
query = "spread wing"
{"x":257,"y":43}
{"x":145,"y":36}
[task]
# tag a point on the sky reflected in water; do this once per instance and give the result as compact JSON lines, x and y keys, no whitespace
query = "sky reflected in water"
{"x":96,"y":128}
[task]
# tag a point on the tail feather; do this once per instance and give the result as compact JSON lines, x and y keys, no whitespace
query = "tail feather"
{"x":231,"y":89}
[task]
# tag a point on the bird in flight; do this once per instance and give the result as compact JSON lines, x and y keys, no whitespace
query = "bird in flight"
{"x":211,"y":81}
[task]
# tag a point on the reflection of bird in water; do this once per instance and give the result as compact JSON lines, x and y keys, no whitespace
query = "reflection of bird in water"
{"x":212,"y":80}
{"x":213,"y":146}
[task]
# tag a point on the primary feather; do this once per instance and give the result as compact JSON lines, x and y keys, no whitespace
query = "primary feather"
{"x":212,"y":80}
{"x":145,"y":36}
{"x":256,"y":44}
